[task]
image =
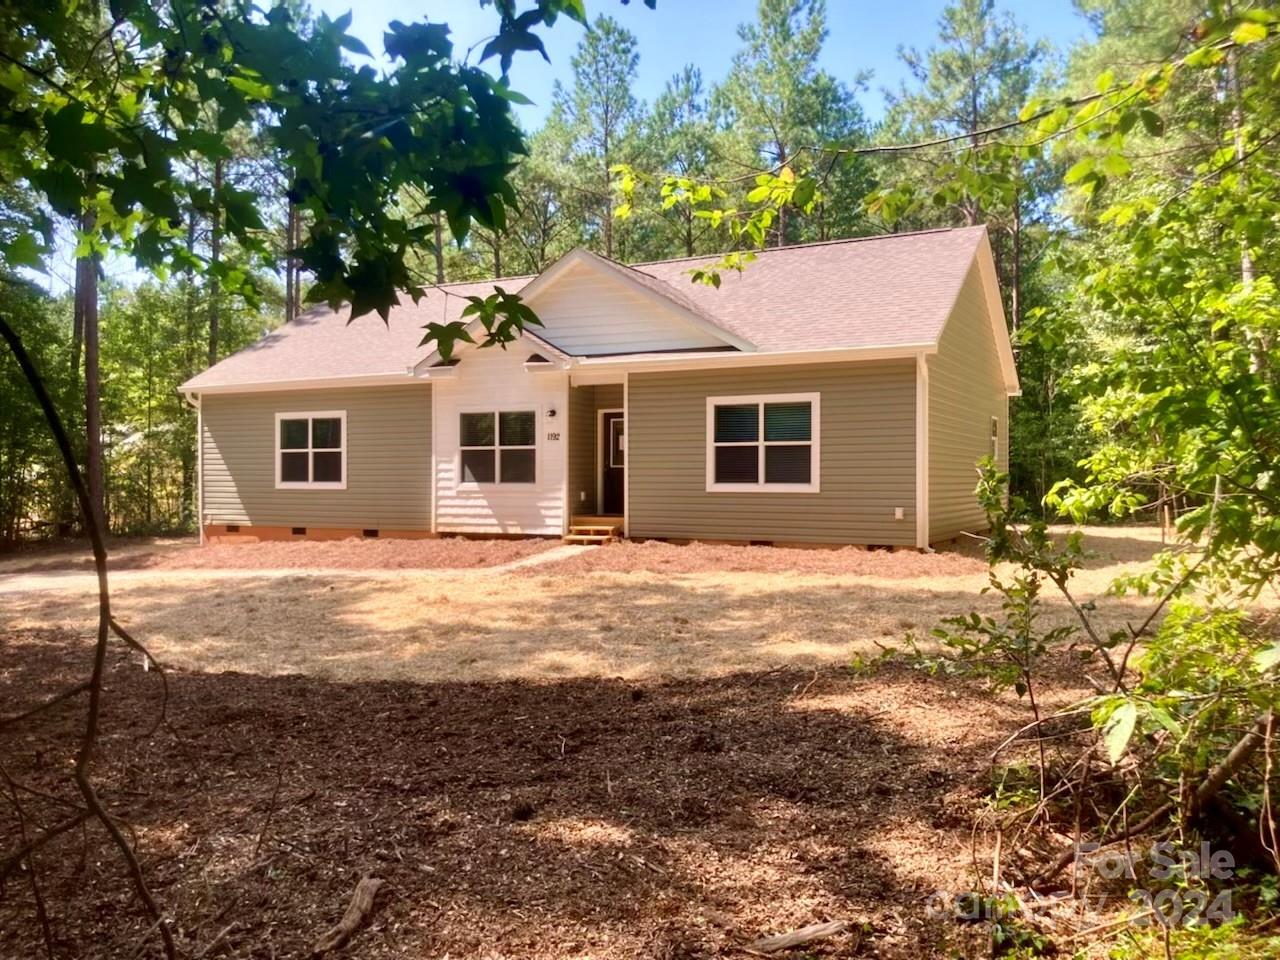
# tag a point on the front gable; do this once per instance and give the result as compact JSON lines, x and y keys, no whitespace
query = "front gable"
{"x":590,"y":306}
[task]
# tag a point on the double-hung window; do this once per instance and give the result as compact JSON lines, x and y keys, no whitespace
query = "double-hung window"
{"x":498,"y":446}
{"x":763,"y":444}
{"x":311,"y":450}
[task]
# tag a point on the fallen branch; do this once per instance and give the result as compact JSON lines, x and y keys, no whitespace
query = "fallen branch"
{"x":1067,"y":856}
{"x":14,"y":861}
{"x":1239,"y":754}
{"x":796,"y":938}
{"x":53,"y":701}
{"x":358,"y":913}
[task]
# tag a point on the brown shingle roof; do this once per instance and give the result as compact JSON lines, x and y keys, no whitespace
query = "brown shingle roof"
{"x":885,"y":291}
{"x":869,"y":292}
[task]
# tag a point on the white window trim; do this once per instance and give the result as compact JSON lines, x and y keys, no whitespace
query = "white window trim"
{"x":497,"y":449}
{"x":760,"y":399}
{"x":309,"y":415}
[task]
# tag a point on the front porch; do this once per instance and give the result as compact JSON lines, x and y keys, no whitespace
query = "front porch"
{"x":588,"y":529}
{"x":596,"y":484}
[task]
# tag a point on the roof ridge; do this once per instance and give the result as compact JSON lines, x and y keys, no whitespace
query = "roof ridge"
{"x":811,"y":243}
{"x":707,"y":256}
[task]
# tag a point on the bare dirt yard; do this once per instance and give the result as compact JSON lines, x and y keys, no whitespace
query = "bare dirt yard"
{"x":627,"y":610}
{"x":184,"y":553}
{"x":636,"y":751}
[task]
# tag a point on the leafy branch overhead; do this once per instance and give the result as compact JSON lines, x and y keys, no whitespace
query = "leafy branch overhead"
{"x":111,"y":135}
{"x":967,"y":166}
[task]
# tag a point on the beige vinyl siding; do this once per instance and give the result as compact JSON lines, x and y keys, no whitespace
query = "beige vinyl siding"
{"x":388,"y":459}
{"x":585,"y":404}
{"x":489,"y":381}
{"x":867,"y":433}
{"x":966,"y":389}
{"x":587,"y":312}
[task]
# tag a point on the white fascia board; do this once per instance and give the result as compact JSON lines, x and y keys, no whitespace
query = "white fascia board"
{"x":303,"y":383}
{"x":995,"y":312}
{"x":711,"y":361}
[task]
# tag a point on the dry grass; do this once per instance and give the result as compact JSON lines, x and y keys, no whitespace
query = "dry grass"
{"x":631,"y":611}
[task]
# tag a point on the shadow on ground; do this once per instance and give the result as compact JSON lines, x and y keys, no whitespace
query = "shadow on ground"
{"x":483,"y":628}
{"x":570,"y":818}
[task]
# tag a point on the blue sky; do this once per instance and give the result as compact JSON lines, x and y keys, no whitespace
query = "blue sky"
{"x":864,"y":35}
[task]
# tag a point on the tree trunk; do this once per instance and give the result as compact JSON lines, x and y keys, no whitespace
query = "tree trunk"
{"x":77,"y":318}
{"x":439,"y":227}
{"x":292,"y":273}
{"x":1257,"y":340}
{"x":86,"y":307}
{"x":215,"y":260}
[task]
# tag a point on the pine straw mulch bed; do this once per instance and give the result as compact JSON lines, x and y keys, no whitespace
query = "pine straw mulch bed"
{"x":446,"y":553}
{"x":576,"y":818}
{"x":657,"y":556}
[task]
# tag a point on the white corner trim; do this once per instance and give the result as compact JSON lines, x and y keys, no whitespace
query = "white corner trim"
{"x":309,"y":415}
{"x":435,"y":443}
{"x":814,"y":443}
{"x":922,"y":452}
{"x":626,"y":473}
{"x":566,"y":441}
{"x":194,"y":400}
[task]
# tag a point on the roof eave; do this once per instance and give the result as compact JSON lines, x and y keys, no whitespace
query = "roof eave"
{"x":193,"y":389}
{"x":720,"y":359}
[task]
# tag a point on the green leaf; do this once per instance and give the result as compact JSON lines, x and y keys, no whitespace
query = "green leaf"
{"x":1118,"y":730}
{"x":24,"y":250}
{"x":1267,"y":659}
{"x":1152,"y":122}
{"x":355,"y":45}
{"x":1249,"y":32}
{"x":1115,"y":165}
{"x":1079,"y":170}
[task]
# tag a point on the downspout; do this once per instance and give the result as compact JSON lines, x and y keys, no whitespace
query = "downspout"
{"x":922,"y":453}
{"x":199,"y":462}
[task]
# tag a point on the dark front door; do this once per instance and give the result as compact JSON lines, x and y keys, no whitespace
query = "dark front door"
{"x":613,"y":462}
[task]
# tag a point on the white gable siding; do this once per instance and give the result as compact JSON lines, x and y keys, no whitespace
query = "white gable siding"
{"x":585,"y":312}
{"x":495,"y":379}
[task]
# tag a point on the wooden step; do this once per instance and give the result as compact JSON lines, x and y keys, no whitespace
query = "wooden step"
{"x":593,"y":531}
{"x":588,"y":539}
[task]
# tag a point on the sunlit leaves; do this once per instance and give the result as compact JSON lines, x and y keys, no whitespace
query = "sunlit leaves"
{"x":498,"y":318}
{"x":1118,"y":727}
{"x":177,"y":78}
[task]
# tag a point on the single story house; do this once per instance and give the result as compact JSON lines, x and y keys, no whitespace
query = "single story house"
{"x":837,"y":392}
